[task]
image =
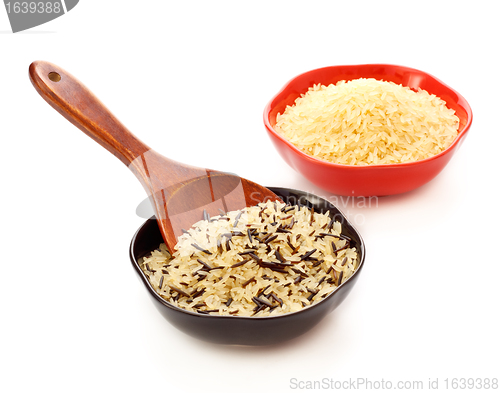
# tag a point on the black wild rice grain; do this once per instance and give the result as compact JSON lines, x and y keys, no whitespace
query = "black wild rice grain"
{"x":246,"y":252}
{"x":204,"y":264}
{"x":308,"y":254}
{"x":201,"y":249}
{"x":277,"y":299}
{"x":179,"y":291}
{"x":345,"y":238}
{"x":263,"y":240}
{"x":346,"y":245}
{"x":248,"y":282}
{"x":237,"y":219}
{"x":342,"y":237}
{"x":240,"y":263}
{"x":251,"y":254}
{"x":257,"y":309}
{"x":339,"y":281}
{"x":278,"y":255}
{"x":265,"y":301}
{"x":330,"y":224}
{"x":277,"y":269}
{"x":198,"y":293}
{"x":261,"y":291}
{"x":270,"y":239}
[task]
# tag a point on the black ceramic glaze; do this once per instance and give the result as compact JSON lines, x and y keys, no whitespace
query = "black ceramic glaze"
{"x":249,"y":330}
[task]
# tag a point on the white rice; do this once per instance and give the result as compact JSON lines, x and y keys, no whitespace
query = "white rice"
{"x":280,"y":276}
{"x":368,"y":122}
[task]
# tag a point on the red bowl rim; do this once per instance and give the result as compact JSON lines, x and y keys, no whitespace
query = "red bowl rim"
{"x":461,"y":101}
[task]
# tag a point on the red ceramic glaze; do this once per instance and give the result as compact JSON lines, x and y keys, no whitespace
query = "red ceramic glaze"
{"x":371,"y":180}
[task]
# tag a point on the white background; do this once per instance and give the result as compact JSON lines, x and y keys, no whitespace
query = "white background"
{"x":191,"y":80}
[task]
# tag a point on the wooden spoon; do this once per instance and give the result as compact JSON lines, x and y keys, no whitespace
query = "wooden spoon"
{"x":180,"y":194}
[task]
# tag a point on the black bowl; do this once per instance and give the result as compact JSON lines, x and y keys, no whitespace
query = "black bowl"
{"x":249,"y":330}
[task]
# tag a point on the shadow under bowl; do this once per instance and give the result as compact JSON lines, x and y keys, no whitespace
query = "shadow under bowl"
{"x":368,"y":180}
{"x":249,"y":330}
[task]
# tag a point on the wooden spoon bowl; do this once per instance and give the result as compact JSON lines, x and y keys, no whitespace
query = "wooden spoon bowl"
{"x":179,"y":193}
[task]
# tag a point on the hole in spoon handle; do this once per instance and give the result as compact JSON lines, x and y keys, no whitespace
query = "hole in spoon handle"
{"x":54,"y":76}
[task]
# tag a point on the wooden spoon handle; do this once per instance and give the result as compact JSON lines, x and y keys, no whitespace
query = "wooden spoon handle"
{"x":76,"y":103}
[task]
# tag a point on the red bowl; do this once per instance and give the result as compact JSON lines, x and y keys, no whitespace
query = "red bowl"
{"x":369,"y":180}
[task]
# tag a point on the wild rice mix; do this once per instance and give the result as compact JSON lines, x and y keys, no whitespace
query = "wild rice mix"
{"x":265,"y":260}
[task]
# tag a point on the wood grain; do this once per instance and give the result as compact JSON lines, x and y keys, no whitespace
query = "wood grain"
{"x":179,"y":193}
